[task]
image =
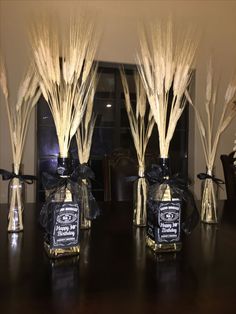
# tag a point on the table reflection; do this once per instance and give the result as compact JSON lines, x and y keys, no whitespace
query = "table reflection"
{"x":208,"y":241}
{"x":15,"y":242}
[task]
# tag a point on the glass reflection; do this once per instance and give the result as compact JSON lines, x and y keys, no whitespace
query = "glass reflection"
{"x":64,"y":275}
{"x":208,"y":242}
{"x":84,"y":250}
{"x":15,"y":242}
{"x":140,"y":247}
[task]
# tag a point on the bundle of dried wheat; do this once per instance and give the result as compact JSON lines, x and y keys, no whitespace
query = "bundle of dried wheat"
{"x":84,"y":132}
{"x":64,"y":68}
{"x":207,"y":127}
{"x":19,"y":114}
{"x":140,"y":130}
{"x":18,"y":118}
{"x":164,"y":63}
{"x":141,"y":123}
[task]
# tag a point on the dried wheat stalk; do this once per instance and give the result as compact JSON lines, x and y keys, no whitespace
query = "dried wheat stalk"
{"x":140,"y":130}
{"x":64,"y":67}
{"x":19,"y":114}
{"x":165,"y":65}
{"x":18,"y":118}
{"x":85,"y":130}
{"x":209,"y":125}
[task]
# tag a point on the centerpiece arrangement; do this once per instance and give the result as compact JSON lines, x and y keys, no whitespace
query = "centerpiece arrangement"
{"x":210,"y":130}
{"x":141,"y":124}
{"x":65,"y":66}
{"x":165,"y":66}
{"x":18,"y":116}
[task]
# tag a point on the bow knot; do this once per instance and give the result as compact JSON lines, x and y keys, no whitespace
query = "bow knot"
{"x":7,"y":175}
{"x":204,"y":176}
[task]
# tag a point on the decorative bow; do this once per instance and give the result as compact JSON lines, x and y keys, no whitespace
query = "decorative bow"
{"x":7,"y":175}
{"x":74,"y":183}
{"x":204,"y":176}
{"x":178,"y":187}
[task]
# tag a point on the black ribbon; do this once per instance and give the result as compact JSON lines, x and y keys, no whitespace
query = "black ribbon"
{"x":204,"y":176}
{"x":134,"y":178}
{"x":75,"y":184}
{"x":84,"y":172}
{"x":179,"y":187}
{"x":54,"y":183}
{"x":7,"y":175}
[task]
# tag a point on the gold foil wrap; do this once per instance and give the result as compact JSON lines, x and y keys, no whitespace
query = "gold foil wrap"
{"x":61,"y":252}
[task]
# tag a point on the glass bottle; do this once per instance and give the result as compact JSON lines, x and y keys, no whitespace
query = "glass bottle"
{"x":16,"y":199}
{"x":164,"y":214}
{"x":209,"y":213}
{"x":63,"y":218}
{"x":85,"y":204}
{"x":140,"y":200}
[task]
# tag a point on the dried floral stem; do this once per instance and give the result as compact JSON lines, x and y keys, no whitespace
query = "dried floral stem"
{"x":140,"y":130}
{"x":165,"y":66}
{"x":19,"y":114}
{"x":84,"y":132}
{"x":65,"y":74}
{"x":206,"y":128}
{"x":18,"y":118}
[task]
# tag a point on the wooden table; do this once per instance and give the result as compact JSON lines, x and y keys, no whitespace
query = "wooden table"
{"x":115,"y":272}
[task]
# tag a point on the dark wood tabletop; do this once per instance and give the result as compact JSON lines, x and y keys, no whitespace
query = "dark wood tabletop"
{"x":116,"y":272}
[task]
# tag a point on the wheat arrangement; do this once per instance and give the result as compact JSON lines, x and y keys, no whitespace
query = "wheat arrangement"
{"x":140,"y":129}
{"x":18,"y":116}
{"x":211,"y":129}
{"x":84,"y":132}
{"x":84,"y":136}
{"x":164,"y":64}
{"x":64,"y":67}
{"x":141,"y":122}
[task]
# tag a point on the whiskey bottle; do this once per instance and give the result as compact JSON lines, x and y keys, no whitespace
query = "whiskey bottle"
{"x":164,"y":213}
{"x":62,"y":238}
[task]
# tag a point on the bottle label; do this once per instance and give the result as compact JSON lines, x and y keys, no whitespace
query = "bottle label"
{"x":65,"y":229}
{"x":168,"y":221}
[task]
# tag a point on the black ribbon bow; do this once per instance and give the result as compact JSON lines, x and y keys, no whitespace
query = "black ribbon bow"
{"x":179,"y":187}
{"x":74,"y":182}
{"x":204,"y":176}
{"x":7,"y":175}
{"x":84,"y":172}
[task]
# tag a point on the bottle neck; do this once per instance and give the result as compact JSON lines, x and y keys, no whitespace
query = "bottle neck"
{"x":164,"y":163}
{"x":64,"y":166}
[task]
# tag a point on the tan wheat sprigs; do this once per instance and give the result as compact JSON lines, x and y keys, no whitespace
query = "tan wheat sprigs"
{"x":84,"y":132}
{"x":19,"y":114}
{"x":140,"y":130}
{"x":163,"y":64}
{"x":65,"y":86}
{"x":210,"y":130}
